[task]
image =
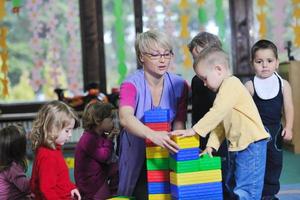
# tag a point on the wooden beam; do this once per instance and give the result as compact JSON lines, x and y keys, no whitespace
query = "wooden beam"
{"x":93,"y":56}
{"x":241,"y":20}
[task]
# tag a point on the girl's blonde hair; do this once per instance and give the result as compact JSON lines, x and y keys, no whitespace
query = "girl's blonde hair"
{"x":150,"y":39}
{"x":50,"y":120}
{"x":94,"y":113}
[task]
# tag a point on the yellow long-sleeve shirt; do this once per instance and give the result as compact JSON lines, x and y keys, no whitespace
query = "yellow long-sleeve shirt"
{"x":234,"y":115}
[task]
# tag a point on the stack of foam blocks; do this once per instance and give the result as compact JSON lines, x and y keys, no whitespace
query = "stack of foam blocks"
{"x":193,"y":177}
{"x":157,"y":157}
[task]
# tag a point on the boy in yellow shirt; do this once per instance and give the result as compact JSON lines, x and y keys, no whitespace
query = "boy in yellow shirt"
{"x":235,"y":117}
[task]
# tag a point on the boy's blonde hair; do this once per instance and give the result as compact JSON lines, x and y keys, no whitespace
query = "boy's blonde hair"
{"x":94,"y":113}
{"x":50,"y":120}
{"x":212,"y":55}
{"x":146,"y":41}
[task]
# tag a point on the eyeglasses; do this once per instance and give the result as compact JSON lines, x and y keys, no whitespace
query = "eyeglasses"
{"x":158,"y":56}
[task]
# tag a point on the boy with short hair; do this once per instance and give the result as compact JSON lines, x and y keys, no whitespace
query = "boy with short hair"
{"x":235,"y":117}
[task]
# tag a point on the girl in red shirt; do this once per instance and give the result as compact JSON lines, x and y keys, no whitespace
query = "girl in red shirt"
{"x":50,"y":130}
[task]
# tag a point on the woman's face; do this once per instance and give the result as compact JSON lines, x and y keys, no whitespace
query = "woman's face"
{"x":156,"y":61}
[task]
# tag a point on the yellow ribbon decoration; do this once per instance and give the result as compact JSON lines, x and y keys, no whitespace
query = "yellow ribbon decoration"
{"x":200,"y":2}
{"x":187,"y":62}
{"x":183,"y":4}
{"x":4,"y":68}
{"x":296,"y":27}
{"x":184,"y":20}
{"x":261,"y":3}
{"x":4,"y":53}
{"x":5,"y":87}
{"x":297,"y":35}
{"x":262,"y":19}
{"x":263,"y":24}
{"x":2,"y":9}
{"x":296,"y":12}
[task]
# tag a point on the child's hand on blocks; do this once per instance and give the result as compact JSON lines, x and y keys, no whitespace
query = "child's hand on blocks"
{"x":183,"y":133}
{"x":207,"y":150}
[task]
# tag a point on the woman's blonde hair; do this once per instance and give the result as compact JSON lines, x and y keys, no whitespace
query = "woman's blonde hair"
{"x":94,"y":113}
{"x":146,"y":41}
{"x":50,"y":120}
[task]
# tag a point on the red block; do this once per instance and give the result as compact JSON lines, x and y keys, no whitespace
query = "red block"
{"x":149,"y":143}
{"x":158,"y":176}
{"x":162,"y":126}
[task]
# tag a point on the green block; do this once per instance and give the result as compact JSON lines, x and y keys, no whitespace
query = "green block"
{"x":158,"y":164}
{"x":200,"y":164}
{"x":208,"y":163}
{"x":184,"y":166}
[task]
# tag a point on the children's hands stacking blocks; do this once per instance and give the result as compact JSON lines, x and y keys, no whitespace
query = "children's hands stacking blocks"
{"x":191,"y":177}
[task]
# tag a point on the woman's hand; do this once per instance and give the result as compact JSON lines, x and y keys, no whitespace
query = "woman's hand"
{"x":162,"y":138}
{"x":75,"y":194}
{"x":183,"y":133}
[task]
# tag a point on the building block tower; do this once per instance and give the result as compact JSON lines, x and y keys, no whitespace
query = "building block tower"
{"x":157,"y":157}
{"x":193,"y":177}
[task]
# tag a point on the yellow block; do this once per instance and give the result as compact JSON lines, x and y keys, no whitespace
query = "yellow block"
{"x":187,"y":142}
{"x":195,"y":177}
{"x":70,"y":162}
{"x":159,"y":197}
{"x":156,"y":152}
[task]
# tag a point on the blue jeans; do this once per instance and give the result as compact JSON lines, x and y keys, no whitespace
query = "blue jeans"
{"x":245,"y":178}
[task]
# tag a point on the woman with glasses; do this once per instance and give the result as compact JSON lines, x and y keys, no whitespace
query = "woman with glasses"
{"x":148,"y":88}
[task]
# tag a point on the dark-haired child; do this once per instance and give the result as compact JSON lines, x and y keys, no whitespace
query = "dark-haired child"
{"x":272,"y":95}
{"x":13,"y":182}
{"x":95,"y":174}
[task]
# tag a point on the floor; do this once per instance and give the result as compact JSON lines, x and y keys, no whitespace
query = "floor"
{"x":290,"y":177}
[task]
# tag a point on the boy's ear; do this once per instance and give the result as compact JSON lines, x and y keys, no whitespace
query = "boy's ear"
{"x":219,"y":68}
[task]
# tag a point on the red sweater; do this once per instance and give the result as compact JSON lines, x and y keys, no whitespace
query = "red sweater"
{"x":50,"y":175}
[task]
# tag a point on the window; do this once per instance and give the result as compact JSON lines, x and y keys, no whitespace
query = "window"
{"x":44,"y":50}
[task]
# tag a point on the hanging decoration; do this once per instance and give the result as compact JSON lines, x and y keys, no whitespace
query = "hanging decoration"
{"x":2,"y":10}
{"x":262,"y":18}
{"x":279,"y":29}
{"x":119,"y":31}
{"x":74,"y":54}
{"x":296,"y":27}
{"x":151,"y":14}
{"x":16,"y":6}
{"x":3,"y":53}
{"x":220,"y":19}
{"x":36,"y":27}
{"x":168,"y":23}
{"x":202,"y":16}
{"x":54,"y":54}
{"x":184,"y":33}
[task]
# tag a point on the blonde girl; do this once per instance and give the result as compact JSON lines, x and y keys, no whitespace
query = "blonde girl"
{"x":50,"y":175}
